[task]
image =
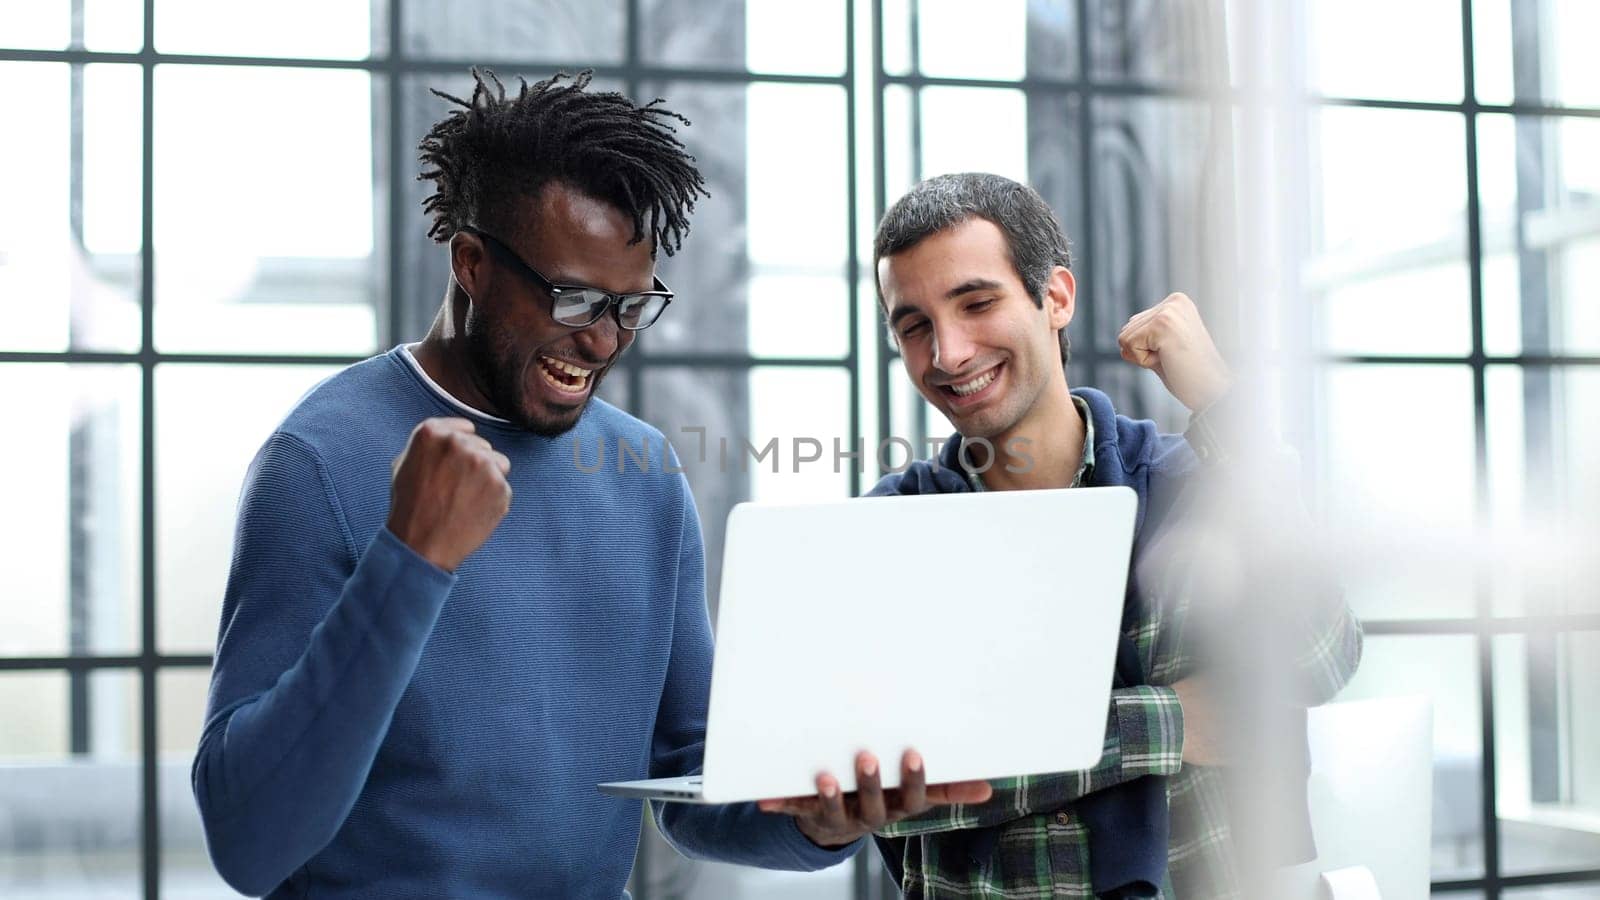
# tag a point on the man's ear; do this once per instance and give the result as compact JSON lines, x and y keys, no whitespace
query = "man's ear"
{"x":468,"y":262}
{"x":1060,"y":297}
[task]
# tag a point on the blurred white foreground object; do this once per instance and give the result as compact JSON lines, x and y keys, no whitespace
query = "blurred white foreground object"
{"x":1371,"y":795}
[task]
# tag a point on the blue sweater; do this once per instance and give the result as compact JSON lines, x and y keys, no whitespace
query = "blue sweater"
{"x":380,"y":728}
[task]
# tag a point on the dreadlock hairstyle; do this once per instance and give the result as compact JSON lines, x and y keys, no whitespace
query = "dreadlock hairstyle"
{"x":496,"y":150}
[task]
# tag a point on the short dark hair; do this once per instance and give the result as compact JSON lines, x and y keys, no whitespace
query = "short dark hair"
{"x":496,"y":150}
{"x":1033,"y":233}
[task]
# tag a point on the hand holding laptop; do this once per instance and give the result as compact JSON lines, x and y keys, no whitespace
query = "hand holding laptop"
{"x":833,"y":819}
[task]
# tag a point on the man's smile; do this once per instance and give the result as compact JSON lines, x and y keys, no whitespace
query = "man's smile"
{"x":565,"y":376}
{"x":973,"y":388}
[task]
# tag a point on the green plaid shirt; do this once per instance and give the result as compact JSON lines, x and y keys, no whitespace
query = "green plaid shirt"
{"x":1043,"y":847}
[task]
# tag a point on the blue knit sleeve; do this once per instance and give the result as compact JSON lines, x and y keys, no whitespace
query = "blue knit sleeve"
{"x":318,"y":642}
{"x":735,"y":833}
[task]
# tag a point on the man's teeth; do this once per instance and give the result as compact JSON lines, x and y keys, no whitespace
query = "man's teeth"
{"x":567,"y":368}
{"x":975,"y":385}
{"x":576,"y":380}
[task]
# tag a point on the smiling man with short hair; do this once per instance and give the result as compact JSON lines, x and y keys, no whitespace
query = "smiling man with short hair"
{"x":974,"y":277}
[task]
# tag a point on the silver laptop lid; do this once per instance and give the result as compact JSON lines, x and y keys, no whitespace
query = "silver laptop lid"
{"x":978,"y":628}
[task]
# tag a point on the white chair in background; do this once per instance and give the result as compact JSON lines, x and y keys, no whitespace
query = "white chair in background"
{"x":1371,"y":796}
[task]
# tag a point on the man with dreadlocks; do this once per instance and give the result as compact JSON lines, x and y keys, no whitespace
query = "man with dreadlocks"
{"x":438,"y":633}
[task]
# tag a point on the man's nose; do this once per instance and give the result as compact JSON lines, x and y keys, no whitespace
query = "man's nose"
{"x":952,"y":349}
{"x":600,"y":340}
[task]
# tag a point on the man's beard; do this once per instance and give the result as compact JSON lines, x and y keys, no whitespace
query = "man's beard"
{"x":499,"y":375}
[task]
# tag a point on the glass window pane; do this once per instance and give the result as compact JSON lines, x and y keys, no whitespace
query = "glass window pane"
{"x":77,"y":478}
{"x":901,"y":166}
{"x":36,"y":26}
{"x":777,"y":38}
{"x":615,"y":388}
{"x":795,"y":38}
{"x":1389,"y":265}
{"x":76,"y":254}
{"x":808,"y":412}
{"x":1547,"y":725}
{"x":947,"y":32}
{"x":1406,"y":522}
{"x":798,"y":296}
{"x":557,"y":31}
{"x":36,"y":714}
{"x":1544,"y":489}
{"x":799,"y":315}
{"x":1017,"y":37}
{"x":1055,"y":170}
{"x":749,"y":421}
{"x":1552,"y":892}
{"x":1540,"y":188}
{"x":796,"y":190}
{"x":186,"y":870}
{"x":113,"y":25}
{"x":713,"y":405}
{"x":710,"y":272}
{"x":1412,"y":310}
{"x":1445,"y":669}
{"x":1422,"y":160}
{"x":69,"y":785}
{"x":952,"y":115}
{"x":262,"y":245}
{"x":205,"y":439}
{"x":1052,"y":39}
{"x":344,"y":29}
{"x":48,"y":25}
{"x":1165,"y":43}
{"x":1154,"y":170}
{"x":1414,"y":55}
{"x":1536,"y":52}
{"x":1491,"y":50}
{"x":896,"y":37}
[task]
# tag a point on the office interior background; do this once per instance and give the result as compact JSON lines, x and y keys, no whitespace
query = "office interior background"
{"x":1393,"y":209}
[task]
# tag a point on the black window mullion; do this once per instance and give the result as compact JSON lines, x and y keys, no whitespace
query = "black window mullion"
{"x":641,"y":887}
{"x":919,"y":409}
{"x":80,"y":539}
{"x":852,"y":238}
{"x":1483,"y":588}
{"x":1088,"y":335}
{"x":150,"y":831}
{"x":884,"y":357}
{"x":394,"y":64}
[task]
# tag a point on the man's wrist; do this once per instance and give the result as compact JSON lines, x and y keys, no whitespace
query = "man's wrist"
{"x":1202,"y":435}
{"x":1231,"y":426}
{"x":822,"y":842}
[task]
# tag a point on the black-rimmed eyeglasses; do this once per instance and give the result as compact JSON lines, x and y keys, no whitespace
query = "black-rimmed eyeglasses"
{"x":577,"y":305}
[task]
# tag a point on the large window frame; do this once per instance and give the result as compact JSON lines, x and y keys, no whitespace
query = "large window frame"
{"x":869,"y":362}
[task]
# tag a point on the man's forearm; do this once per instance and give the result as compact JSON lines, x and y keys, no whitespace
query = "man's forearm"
{"x":278,"y":772}
{"x":1144,"y":736}
{"x":740,"y":833}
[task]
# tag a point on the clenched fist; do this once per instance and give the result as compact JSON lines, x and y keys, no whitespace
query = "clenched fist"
{"x":449,"y":491}
{"x":1170,"y":340}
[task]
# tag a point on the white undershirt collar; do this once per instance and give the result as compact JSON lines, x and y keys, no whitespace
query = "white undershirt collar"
{"x":407,"y":354}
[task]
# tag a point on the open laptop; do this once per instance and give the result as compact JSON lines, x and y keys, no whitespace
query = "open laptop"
{"x":980,"y":629}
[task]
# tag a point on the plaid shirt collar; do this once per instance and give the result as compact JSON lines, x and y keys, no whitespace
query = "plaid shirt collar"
{"x":1085,"y":468}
